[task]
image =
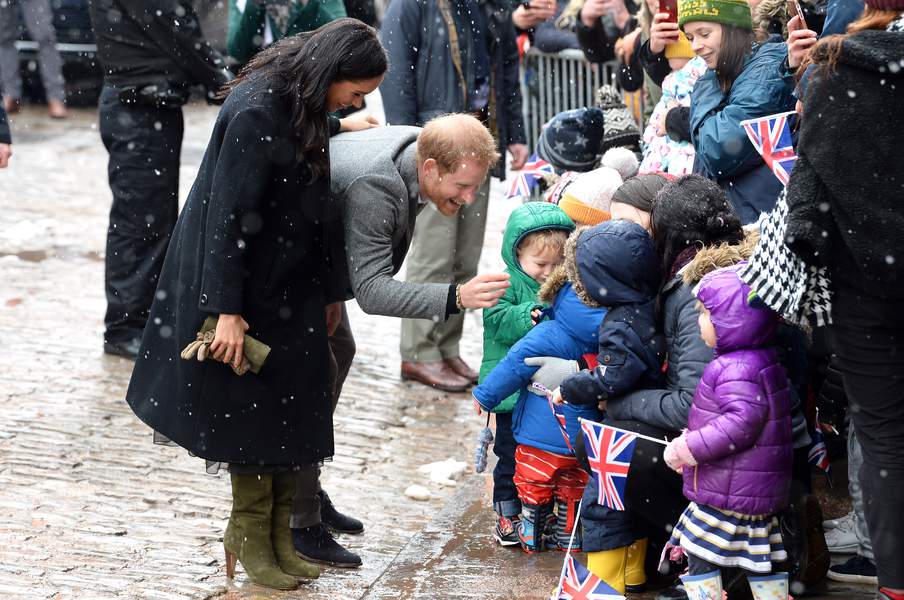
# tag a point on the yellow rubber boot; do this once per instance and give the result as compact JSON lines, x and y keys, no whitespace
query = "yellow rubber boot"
{"x":609,"y":565}
{"x":635,"y":576}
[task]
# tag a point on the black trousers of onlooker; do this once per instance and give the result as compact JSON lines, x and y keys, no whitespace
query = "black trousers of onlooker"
{"x":868,"y":336}
{"x":505,"y":497}
{"x":144,"y":144}
{"x":306,"y":503}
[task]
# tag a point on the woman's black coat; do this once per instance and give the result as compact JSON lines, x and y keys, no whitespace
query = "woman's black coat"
{"x":846,"y":190}
{"x":249,"y":241}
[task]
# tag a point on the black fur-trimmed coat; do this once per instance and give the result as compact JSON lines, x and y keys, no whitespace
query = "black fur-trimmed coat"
{"x":846,"y":193}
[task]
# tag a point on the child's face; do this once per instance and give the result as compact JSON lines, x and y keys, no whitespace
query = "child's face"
{"x":539,"y":261}
{"x":707,"y":331}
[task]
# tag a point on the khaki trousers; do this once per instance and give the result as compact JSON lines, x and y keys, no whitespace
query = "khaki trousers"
{"x":443,"y":250}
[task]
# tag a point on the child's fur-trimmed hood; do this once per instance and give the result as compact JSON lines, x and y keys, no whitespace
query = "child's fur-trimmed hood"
{"x":711,"y":258}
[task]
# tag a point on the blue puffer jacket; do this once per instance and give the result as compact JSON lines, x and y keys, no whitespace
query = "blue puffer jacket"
{"x":724,"y":153}
{"x":571,"y":333}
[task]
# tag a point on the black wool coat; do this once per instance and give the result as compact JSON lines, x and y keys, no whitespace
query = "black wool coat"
{"x":249,"y":241}
{"x":846,"y":192}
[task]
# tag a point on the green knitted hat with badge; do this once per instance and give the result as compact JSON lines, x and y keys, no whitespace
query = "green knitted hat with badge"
{"x":726,"y":12}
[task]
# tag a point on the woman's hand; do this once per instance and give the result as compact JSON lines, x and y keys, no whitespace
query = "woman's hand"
{"x":800,"y":40}
{"x":662,"y":32}
{"x":6,"y":151}
{"x":594,"y":9}
{"x":357,"y":122}
{"x":333,"y":317}
{"x":519,"y":156}
{"x":229,"y":340}
{"x":624,"y":48}
{"x":535,"y":13}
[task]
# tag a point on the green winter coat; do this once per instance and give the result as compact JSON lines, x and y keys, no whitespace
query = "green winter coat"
{"x":248,"y":21}
{"x":508,"y":321}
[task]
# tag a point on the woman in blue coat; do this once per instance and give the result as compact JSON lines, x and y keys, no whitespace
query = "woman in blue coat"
{"x":744,"y":80}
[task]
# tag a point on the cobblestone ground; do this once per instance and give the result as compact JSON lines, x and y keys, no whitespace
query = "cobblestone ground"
{"x":90,"y":508}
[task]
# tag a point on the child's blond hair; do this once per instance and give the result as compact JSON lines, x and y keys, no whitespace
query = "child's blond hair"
{"x":544,"y":239}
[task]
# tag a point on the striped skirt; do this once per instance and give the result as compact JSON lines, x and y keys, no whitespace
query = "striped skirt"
{"x":729,"y":539}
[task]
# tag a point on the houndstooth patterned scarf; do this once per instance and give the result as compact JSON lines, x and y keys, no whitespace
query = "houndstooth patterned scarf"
{"x":782,"y":280}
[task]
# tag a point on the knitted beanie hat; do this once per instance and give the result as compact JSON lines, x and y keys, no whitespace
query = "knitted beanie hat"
{"x":620,"y":128}
{"x":680,"y":49}
{"x":640,"y":191}
{"x":571,"y":140}
{"x":726,"y":12}
{"x":886,"y":4}
{"x":587,"y":199}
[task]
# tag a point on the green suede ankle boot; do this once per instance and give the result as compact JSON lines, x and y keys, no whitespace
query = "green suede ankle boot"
{"x":247,"y":536}
{"x":289,"y":562}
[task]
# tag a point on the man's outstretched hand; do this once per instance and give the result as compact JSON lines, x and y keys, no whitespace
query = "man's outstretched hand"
{"x":484,"y":290}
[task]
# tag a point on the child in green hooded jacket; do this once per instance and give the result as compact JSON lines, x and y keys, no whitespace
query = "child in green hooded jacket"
{"x":532,"y":246}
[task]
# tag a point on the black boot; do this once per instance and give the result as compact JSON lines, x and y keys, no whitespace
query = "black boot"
{"x":316,"y":544}
{"x":334,"y":519}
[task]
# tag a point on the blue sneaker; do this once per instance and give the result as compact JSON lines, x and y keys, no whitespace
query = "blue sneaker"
{"x":857,"y":569}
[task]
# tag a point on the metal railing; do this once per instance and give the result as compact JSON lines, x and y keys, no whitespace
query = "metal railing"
{"x":551,"y":83}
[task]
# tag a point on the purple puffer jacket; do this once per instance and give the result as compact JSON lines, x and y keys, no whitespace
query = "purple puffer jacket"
{"x":739,"y":427}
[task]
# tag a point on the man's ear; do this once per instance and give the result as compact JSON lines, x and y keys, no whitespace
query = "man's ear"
{"x":431,"y":167}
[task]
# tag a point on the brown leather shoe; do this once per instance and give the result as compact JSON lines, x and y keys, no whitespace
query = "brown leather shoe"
{"x":460,"y":367}
{"x":10,"y":105}
{"x":435,"y":374}
{"x":56,"y":109}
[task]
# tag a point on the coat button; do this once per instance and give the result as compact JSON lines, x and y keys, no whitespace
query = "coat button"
{"x":607,"y":358}
{"x":203,"y":298}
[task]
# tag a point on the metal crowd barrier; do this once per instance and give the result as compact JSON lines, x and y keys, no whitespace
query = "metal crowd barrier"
{"x":551,"y":83}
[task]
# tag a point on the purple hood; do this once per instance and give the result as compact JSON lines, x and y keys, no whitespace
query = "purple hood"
{"x":738,"y":325}
{"x":739,"y":426}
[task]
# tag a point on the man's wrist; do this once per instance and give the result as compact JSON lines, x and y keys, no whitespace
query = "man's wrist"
{"x":452,"y":301}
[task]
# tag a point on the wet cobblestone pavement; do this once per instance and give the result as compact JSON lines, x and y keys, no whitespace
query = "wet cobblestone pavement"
{"x":90,"y":508}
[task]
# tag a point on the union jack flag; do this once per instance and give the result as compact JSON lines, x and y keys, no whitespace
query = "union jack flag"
{"x":527,"y":177}
{"x":557,"y":412}
{"x":818,"y":456}
{"x":580,"y":584}
{"x":609,"y":452}
{"x":559,"y":415}
{"x":771,"y":136}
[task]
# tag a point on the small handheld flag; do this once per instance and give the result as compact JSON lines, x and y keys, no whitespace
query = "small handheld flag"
{"x":818,"y":456}
{"x":527,"y":178}
{"x":609,"y":453}
{"x":557,"y":412}
{"x":578,"y":583}
{"x":771,"y":136}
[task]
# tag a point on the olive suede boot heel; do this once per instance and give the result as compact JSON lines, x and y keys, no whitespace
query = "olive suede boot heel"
{"x":248,"y":534}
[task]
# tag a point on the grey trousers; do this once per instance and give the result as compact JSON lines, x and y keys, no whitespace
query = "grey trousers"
{"x":855,"y":461}
{"x":443,"y":250}
{"x":38,"y":19}
{"x":306,"y":503}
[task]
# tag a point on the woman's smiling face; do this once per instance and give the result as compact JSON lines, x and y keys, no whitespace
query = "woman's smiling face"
{"x":706,"y":40}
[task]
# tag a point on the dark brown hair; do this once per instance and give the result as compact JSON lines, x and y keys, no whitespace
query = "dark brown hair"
{"x":300,"y":69}
{"x":691,"y":211}
{"x":736,"y":45}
